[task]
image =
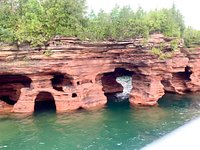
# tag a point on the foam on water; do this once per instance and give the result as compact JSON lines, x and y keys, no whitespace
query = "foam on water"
{"x":126,"y":82}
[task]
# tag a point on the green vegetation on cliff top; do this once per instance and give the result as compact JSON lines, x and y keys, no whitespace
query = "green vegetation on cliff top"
{"x":36,"y":21}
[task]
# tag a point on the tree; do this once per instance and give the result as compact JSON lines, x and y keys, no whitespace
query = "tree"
{"x":8,"y":20}
{"x":191,"y":37}
{"x":30,"y":28}
{"x":64,"y":17}
{"x":98,"y":26}
{"x":35,"y":21}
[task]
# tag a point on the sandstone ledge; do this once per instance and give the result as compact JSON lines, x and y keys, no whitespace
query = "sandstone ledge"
{"x":77,"y":74}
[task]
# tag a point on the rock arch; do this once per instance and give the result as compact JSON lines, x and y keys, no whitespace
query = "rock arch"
{"x":44,"y":101}
{"x":109,"y":82}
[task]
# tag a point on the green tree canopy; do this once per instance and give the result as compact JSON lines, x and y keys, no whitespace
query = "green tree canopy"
{"x":36,"y":21}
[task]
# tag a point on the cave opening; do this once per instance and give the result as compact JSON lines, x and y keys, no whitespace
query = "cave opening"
{"x":15,"y":79}
{"x":179,"y":81}
{"x":184,"y":75}
{"x":44,"y":102}
{"x":59,"y":80}
{"x":117,"y":85}
{"x":7,"y":100}
{"x":10,"y":87}
{"x":188,"y":73}
{"x":74,"y":95}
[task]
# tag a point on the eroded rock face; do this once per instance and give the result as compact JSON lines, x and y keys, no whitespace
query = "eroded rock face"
{"x":4,"y":107}
{"x":146,"y":90}
{"x":78,"y":74}
{"x":110,"y":85}
{"x":194,"y":61}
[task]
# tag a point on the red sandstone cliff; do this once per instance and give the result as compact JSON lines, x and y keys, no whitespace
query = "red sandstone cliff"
{"x":77,"y":74}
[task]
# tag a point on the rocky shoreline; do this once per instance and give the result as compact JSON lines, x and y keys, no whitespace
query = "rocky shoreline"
{"x":77,"y":74}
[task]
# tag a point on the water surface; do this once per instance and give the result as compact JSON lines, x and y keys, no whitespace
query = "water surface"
{"x":118,"y":126}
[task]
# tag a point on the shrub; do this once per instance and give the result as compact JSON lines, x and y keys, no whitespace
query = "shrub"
{"x":48,"y":53}
{"x":174,"y":44}
{"x":156,"y":51}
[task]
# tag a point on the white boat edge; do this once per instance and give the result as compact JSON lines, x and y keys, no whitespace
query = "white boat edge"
{"x":186,"y":137}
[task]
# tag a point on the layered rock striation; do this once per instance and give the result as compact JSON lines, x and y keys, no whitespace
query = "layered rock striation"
{"x":76,"y":74}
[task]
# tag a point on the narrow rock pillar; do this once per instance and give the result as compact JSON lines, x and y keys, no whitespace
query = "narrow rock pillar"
{"x":26,"y":102}
{"x":146,"y":90}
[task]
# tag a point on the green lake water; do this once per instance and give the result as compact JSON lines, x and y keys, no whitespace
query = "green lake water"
{"x":115,"y":127}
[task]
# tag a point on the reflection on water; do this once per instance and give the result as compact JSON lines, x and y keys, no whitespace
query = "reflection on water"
{"x":118,"y":126}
